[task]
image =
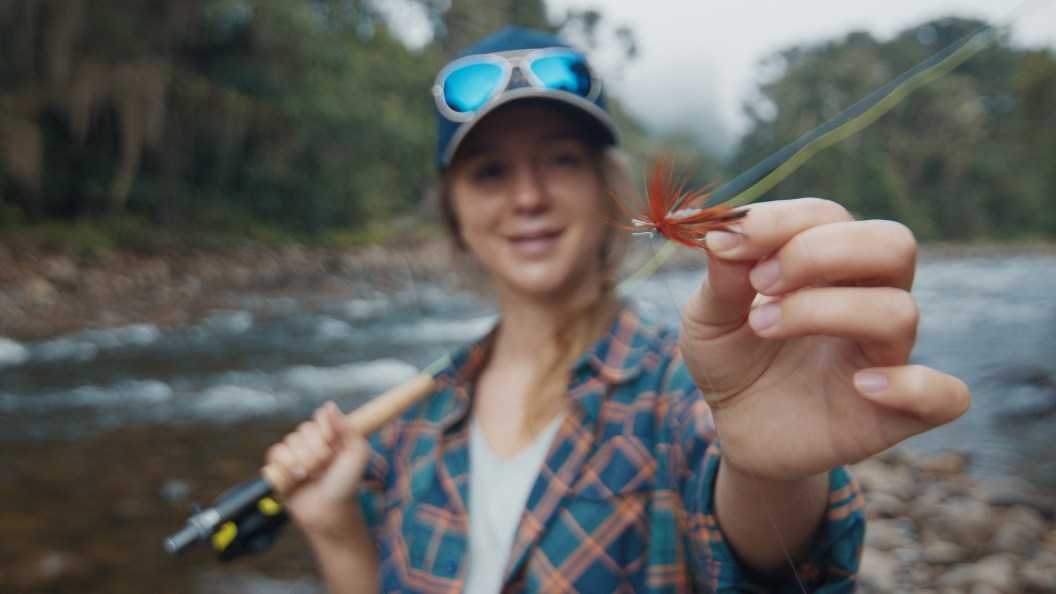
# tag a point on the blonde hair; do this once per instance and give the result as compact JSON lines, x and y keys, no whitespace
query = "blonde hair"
{"x":584,"y":323}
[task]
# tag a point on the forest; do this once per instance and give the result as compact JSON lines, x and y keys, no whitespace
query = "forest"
{"x":127,"y":124}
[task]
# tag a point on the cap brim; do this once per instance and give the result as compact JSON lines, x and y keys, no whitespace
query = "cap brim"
{"x":593,"y":115}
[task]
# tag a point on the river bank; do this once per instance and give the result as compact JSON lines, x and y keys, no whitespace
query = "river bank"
{"x":44,"y":293}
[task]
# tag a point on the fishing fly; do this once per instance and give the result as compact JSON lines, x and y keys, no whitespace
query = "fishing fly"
{"x":675,"y":212}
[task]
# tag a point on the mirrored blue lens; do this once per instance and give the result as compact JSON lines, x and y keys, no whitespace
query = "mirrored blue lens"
{"x":564,"y":73}
{"x":469,"y":87}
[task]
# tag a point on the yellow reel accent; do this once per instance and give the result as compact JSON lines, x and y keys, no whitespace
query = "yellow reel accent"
{"x":223,"y":537}
{"x":269,"y":507}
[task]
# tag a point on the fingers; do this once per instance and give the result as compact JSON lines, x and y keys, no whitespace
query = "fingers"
{"x":800,"y":243}
{"x":769,"y":225}
{"x":883,"y":319}
{"x":313,"y":445}
{"x":867,"y":253}
{"x":929,"y":396}
{"x":800,"y":252}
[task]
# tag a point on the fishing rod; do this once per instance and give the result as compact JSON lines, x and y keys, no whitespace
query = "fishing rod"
{"x":764,"y":175}
{"x":755,"y":181}
{"x":246,"y":518}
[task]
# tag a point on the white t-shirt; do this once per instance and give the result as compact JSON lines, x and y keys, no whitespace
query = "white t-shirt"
{"x":498,"y":492}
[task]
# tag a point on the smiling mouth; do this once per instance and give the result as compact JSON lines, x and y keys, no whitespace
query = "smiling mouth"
{"x":534,"y":236}
{"x":534,"y":244}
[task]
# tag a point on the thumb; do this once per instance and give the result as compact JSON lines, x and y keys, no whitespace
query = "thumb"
{"x":928,"y":396}
{"x":722,"y":302}
{"x":717,"y":345}
{"x":351,"y":452}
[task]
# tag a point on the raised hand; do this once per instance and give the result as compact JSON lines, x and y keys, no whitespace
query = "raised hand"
{"x":800,"y":338}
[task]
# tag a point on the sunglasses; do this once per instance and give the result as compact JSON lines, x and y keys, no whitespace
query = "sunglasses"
{"x":470,"y":83}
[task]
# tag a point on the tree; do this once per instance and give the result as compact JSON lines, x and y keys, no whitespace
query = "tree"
{"x":950,"y":161}
{"x":460,"y":23}
{"x":306,"y":114}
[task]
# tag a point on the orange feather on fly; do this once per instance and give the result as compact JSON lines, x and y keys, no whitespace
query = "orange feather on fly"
{"x":675,"y":212}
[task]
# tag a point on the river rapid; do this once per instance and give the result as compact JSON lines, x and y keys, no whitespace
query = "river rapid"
{"x":108,"y":436}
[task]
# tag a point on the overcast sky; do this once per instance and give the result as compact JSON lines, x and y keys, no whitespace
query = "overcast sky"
{"x":700,"y":59}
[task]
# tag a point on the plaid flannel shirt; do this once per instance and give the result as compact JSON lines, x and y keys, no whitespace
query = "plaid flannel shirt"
{"x":622,"y":502}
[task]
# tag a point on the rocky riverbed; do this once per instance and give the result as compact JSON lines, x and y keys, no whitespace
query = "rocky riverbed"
{"x":45,"y":293}
{"x":934,"y":529}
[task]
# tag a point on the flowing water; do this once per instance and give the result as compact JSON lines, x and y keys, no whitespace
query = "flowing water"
{"x":108,"y":436}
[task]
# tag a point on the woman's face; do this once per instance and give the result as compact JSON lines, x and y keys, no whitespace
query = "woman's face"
{"x":526,"y":189}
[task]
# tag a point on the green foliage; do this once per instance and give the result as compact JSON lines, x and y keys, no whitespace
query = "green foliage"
{"x":307,"y":115}
{"x":82,"y":241}
{"x":132,"y":123}
{"x":967,"y":156}
{"x":461,"y":22}
{"x":212,"y":119}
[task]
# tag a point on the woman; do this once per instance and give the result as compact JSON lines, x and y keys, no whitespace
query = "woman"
{"x":577,"y":447}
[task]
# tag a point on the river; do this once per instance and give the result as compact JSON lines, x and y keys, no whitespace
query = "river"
{"x":108,"y":436}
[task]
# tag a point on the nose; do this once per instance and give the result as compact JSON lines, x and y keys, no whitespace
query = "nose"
{"x":529,"y":191}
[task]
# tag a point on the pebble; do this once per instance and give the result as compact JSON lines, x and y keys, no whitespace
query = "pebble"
{"x":933,"y":528}
{"x":47,"y":569}
{"x":175,"y":491}
{"x":943,"y":552}
{"x":39,"y":290}
{"x":943,"y":463}
{"x":888,"y":534}
{"x":1039,"y":572}
{"x":878,"y":571}
{"x":1010,"y":497}
{"x":999,"y":571}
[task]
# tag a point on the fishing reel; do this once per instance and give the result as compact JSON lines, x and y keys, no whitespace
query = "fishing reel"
{"x":245,"y":519}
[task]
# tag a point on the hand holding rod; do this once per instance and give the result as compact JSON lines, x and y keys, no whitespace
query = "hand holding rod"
{"x":368,"y":419}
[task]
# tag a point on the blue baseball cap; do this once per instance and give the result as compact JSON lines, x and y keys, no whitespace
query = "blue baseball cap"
{"x":586,"y":101}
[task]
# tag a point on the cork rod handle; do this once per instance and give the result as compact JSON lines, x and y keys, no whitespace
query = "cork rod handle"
{"x":367,"y":419}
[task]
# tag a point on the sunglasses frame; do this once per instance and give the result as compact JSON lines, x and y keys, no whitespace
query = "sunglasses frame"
{"x":509,"y":61}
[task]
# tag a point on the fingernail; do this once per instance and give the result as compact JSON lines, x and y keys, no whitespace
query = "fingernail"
{"x":765,"y":316}
{"x":870,"y":382}
{"x":722,"y":241}
{"x":765,"y":275}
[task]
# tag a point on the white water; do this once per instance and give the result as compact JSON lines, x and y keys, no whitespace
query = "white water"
{"x":991,"y":321}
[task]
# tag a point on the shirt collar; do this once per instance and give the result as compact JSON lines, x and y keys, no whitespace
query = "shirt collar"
{"x":617,"y":358}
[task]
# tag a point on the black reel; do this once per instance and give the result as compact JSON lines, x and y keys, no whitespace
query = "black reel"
{"x":252,"y":532}
{"x":243,"y":520}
